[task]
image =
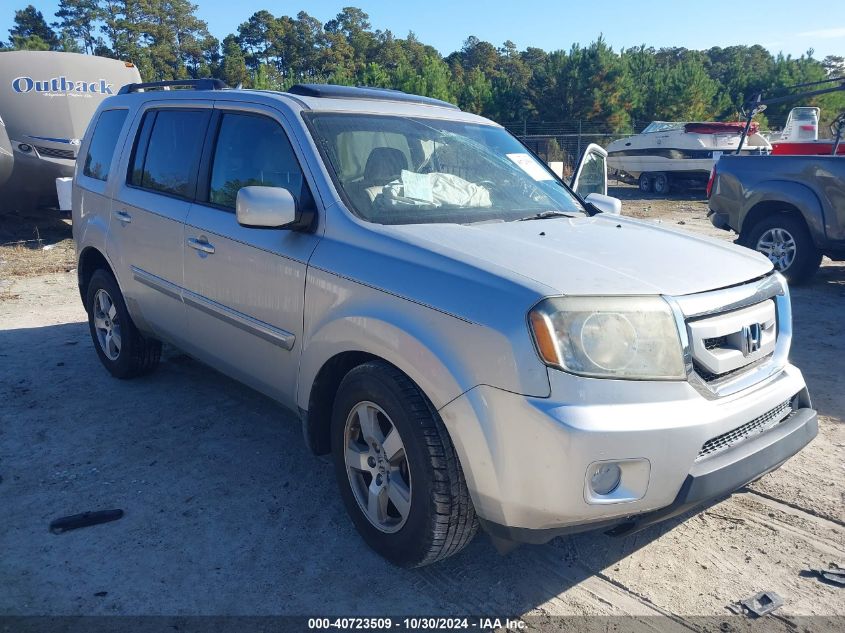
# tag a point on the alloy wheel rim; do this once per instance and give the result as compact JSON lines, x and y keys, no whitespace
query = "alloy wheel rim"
{"x":377,"y":467}
{"x":106,"y":324}
{"x":779,"y":246}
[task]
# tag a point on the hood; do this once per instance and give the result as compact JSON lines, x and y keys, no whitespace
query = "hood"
{"x":599,"y":255}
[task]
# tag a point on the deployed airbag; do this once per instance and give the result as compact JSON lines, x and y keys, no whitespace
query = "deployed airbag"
{"x":434,"y":189}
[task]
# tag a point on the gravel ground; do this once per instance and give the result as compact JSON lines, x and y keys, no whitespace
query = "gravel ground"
{"x":227,"y":512}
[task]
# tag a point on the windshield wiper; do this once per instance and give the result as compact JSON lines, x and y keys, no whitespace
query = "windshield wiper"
{"x":546,"y":214}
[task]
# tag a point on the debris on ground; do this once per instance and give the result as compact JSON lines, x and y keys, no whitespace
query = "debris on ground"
{"x":75,"y":521}
{"x":758,"y":605}
{"x":834,"y":574}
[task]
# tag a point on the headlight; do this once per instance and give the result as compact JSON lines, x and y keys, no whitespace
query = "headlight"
{"x":609,"y":337}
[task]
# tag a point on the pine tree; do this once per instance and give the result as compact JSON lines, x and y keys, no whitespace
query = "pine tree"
{"x":31,"y":31}
{"x":592,"y":83}
{"x":77,"y":20}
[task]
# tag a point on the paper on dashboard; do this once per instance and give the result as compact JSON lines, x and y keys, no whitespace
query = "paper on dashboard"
{"x":417,"y":186}
{"x":530,"y":166}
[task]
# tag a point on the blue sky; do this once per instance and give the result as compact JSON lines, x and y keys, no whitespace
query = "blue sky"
{"x":779,"y":25}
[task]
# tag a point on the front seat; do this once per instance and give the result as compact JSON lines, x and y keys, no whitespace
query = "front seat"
{"x":384,"y":165}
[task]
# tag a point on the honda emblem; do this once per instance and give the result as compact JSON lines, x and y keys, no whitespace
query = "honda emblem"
{"x":752,"y":338}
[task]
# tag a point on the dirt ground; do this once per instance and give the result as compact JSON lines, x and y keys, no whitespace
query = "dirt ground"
{"x":226,"y":512}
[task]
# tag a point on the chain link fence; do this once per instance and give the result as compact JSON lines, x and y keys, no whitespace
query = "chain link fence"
{"x":565,"y":141}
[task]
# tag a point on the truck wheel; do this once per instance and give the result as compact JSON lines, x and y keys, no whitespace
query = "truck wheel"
{"x":121,"y":348}
{"x":397,"y":469}
{"x":660,"y":184}
{"x":645,"y":183}
{"x":785,"y":240}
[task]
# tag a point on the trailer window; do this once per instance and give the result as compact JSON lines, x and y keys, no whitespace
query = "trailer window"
{"x":101,"y":151}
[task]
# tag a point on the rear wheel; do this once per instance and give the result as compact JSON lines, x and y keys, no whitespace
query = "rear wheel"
{"x":787,"y":242}
{"x":121,"y":347}
{"x":660,"y":184}
{"x":397,"y":468}
{"x":645,"y":182}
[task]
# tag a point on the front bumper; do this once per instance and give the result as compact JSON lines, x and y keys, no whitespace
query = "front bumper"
{"x":32,"y":178}
{"x":527,"y":460}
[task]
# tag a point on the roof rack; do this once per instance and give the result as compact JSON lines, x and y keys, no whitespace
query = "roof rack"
{"x":194,"y":84}
{"x":331,"y":91}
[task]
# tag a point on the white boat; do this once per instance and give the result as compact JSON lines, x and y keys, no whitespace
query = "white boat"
{"x":667,"y":152}
{"x":46,"y":101}
{"x":800,"y":135}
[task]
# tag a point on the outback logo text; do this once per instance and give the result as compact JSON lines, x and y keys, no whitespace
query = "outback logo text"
{"x":61,"y":84}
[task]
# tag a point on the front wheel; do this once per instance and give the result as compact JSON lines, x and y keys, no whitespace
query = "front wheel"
{"x":397,"y":468}
{"x":787,"y":242}
{"x":121,"y":347}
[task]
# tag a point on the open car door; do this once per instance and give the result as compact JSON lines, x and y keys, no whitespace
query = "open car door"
{"x":590,"y":175}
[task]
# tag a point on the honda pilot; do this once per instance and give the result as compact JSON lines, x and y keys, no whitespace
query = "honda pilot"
{"x":474,"y":341}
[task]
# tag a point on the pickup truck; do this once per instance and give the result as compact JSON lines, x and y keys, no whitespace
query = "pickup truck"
{"x":789,"y":208}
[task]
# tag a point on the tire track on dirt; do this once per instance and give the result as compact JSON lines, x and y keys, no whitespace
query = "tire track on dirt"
{"x":608,"y":591}
{"x":807,"y":511}
{"x":820,"y":532}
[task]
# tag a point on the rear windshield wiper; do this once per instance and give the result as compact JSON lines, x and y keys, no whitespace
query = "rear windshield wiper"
{"x":547,"y":214}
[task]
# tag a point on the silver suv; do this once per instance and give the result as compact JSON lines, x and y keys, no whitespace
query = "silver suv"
{"x":474,"y":341}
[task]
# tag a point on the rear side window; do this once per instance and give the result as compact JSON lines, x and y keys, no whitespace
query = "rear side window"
{"x":101,"y":150}
{"x":254,"y":150}
{"x":168,"y":150}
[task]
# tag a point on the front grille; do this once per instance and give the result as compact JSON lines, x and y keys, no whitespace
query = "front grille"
{"x":715,"y":343}
{"x":56,"y":153}
{"x":740,"y":434}
{"x":721,"y":343}
{"x":709,"y":376}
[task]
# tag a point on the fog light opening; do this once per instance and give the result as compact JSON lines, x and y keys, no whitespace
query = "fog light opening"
{"x":606,"y":478}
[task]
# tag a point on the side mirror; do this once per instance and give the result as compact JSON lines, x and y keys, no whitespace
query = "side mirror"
{"x":270,"y":207}
{"x":605,"y":204}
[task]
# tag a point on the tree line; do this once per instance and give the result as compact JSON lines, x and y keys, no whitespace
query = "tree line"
{"x":592,"y":83}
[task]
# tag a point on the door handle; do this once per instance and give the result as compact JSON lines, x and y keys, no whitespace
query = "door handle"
{"x":201,"y":245}
{"x":123,"y":216}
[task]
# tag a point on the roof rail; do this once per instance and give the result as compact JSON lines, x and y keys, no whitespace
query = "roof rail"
{"x":194,"y":84}
{"x":331,"y":91}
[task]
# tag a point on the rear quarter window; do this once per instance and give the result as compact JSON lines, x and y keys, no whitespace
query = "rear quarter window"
{"x":103,"y":143}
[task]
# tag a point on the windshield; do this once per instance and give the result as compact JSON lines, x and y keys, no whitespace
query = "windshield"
{"x":402,"y":170}
{"x":662,"y":126}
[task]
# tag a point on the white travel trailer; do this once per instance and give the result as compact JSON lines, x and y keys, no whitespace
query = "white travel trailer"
{"x":46,"y":102}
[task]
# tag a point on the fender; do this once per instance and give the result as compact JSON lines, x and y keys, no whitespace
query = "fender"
{"x":428,"y":346}
{"x":446,"y":355}
{"x":91,"y":231}
{"x":798,"y":195}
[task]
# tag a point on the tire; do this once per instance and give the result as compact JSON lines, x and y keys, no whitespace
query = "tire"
{"x":787,"y":242}
{"x":435,"y":517}
{"x":128,"y":354}
{"x":645,"y":182}
{"x":660,"y":184}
